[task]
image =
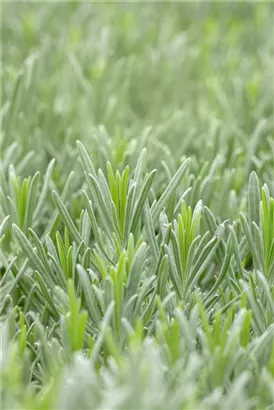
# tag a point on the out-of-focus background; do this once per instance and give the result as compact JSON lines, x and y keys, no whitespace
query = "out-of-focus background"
{"x":179,"y":78}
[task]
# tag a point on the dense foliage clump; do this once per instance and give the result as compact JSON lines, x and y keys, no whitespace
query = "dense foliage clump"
{"x":137,"y":210}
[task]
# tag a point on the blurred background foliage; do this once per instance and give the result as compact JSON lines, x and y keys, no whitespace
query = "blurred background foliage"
{"x":184,"y":74}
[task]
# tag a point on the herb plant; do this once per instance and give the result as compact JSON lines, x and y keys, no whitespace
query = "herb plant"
{"x":137,"y":210}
